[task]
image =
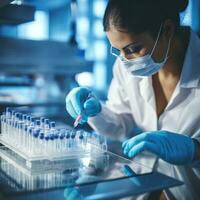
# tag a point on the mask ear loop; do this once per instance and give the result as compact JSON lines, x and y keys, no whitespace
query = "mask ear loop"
{"x":125,"y":59}
{"x":169,"y":44}
{"x":152,"y":51}
{"x":166,"y":56}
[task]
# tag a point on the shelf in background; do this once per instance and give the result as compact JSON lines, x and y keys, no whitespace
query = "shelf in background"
{"x":13,"y":14}
{"x":29,"y":56}
{"x":47,"y":4}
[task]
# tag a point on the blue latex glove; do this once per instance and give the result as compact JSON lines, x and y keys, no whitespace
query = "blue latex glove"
{"x":172,"y":147}
{"x":72,"y":194}
{"x":82,"y":101}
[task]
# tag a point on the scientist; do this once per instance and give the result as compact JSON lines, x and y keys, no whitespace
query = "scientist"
{"x":155,"y":89}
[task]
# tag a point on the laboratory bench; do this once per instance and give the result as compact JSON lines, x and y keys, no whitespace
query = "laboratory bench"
{"x":106,"y":175}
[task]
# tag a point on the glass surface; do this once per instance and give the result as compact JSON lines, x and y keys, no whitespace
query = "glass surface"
{"x":124,"y":187}
{"x":18,"y":178}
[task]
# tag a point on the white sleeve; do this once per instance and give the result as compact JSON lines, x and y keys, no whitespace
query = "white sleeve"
{"x":115,"y":119}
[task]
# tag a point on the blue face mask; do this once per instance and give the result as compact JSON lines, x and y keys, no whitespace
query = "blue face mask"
{"x":145,"y":66}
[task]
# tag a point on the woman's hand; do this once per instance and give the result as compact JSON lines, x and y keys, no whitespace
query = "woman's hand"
{"x":172,"y":147}
{"x":82,"y":101}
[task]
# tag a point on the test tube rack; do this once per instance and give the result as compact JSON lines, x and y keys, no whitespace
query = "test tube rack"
{"x":36,"y":139}
{"x":47,"y":176}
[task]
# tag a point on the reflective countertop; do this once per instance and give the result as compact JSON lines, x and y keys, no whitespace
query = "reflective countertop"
{"x":93,"y":178}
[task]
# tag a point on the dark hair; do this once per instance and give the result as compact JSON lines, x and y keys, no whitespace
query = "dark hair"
{"x":137,"y":16}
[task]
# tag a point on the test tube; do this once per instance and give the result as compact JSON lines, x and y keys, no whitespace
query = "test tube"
{"x":24,"y":136}
{"x":24,"y":118}
{"x":42,"y":121}
{"x":19,"y":130}
{"x":81,"y":139}
{"x":29,"y":140}
{"x":62,"y":140}
{"x":28,"y":120}
{"x":50,"y":144}
{"x":36,"y":133}
{"x":67,"y":136}
{"x":8,"y":112}
{"x":7,"y":119}
{"x":52,"y":125}
{"x":61,"y":134}
{"x":73,"y":136}
{"x":32,"y":121}
{"x":46,"y":137}
{"x":41,"y":143}
{"x":11,"y":124}
{"x":37,"y":124}
{"x":14,"y":129}
{"x":53,"y":137}
{"x":3,"y":120}
{"x":56,"y":141}
{"x":19,"y":135}
{"x":15,"y":121}
{"x":46,"y":126}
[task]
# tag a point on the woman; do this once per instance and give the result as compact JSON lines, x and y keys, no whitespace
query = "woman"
{"x":155,"y":88}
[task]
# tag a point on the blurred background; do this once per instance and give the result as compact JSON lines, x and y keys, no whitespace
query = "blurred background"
{"x":48,"y":47}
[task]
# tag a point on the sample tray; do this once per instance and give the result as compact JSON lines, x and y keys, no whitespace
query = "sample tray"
{"x":39,"y":160}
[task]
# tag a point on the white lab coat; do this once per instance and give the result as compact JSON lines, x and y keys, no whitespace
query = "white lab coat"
{"x":131,"y":104}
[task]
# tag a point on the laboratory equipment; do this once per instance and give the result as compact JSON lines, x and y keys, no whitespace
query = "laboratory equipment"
{"x":95,"y":177}
{"x":38,"y":139}
{"x":79,"y":117}
{"x":26,"y":179}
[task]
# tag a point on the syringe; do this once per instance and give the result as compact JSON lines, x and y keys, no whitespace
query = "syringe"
{"x":80,"y":116}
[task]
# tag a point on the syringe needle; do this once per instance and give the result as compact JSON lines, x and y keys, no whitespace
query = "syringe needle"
{"x":79,"y":117}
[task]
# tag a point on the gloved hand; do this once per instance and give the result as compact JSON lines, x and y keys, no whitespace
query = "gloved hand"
{"x":72,"y":193}
{"x":82,"y":101}
{"x":172,"y":147}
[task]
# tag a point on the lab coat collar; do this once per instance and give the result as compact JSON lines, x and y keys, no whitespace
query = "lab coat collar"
{"x":190,"y":75}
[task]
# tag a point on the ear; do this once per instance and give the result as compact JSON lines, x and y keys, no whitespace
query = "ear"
{"x":168,"y":29}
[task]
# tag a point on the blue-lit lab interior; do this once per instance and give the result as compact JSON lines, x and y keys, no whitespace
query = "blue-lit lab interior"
{"x":48,"y":48}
